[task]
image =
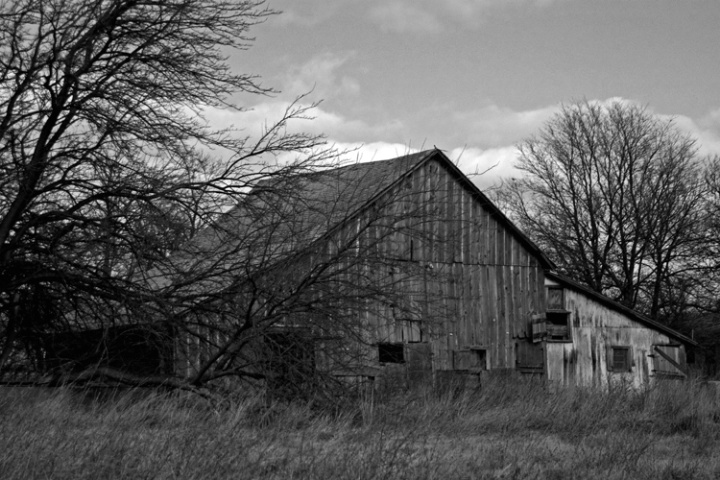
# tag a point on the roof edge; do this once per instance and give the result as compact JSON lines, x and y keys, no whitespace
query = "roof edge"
{"x":619,"y":307}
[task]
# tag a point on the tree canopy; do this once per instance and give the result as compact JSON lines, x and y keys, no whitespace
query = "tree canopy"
{"x":616,"y":196}
{"x":106,"y":161}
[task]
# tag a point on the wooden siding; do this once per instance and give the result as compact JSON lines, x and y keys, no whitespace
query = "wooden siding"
{"x":595,"y":330}
{"x":479,"y":285}
{"x":471,"y":279}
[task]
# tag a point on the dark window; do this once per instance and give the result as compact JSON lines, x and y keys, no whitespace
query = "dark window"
{"x":391,"y":353}
{"x":619,"y":359}
{"x":558,"y":327}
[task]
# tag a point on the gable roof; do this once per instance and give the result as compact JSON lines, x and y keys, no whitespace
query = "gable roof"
{"x":334,"y":197}
{"x":285,"y":215}
{"x":324,"y":200}
{"x":618,"y":307}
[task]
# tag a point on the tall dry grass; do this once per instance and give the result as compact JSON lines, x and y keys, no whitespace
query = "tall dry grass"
{"x":506,"y":429}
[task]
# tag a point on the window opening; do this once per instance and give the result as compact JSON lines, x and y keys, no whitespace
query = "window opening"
{"x":619,"y":359}
{"x":557,"y":318}
{"x":557,"y":325}
{"x":391,"y":353}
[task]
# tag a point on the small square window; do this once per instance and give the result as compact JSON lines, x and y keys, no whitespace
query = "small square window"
{"x":619,"y":359}
{"x":391,"y":353}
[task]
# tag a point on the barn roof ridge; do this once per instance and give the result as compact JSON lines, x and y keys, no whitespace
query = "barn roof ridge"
{"x":413,"y":162}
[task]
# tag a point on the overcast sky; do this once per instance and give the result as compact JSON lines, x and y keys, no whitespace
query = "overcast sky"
{"x":480,"y":75}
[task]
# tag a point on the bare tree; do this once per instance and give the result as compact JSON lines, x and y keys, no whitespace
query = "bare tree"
{"x":614,"y":194}
{"x":106,"y":160}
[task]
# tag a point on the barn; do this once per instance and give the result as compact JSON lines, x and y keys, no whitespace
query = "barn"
{"x":471,"y":294}
{"x":398,"y":272}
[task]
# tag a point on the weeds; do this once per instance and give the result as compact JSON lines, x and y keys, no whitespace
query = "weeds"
{"x":506,"y":429}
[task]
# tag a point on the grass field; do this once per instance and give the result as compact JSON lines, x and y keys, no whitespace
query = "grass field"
{"x":505,"y":430}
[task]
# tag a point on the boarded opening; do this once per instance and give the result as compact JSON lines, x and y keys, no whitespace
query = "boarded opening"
{"x":419,"y":363}
{"x":555,"y":298}
{"x":529,"y":357}
{"x":470,"y":360}
{"x":619,"y":359}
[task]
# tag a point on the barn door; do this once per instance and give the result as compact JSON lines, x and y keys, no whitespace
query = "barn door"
{"x":530,"y":357}
{"x":669,"y":361}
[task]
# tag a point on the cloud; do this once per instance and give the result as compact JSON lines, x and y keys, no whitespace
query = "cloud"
{"x":489,"y":134}
{"x":321,"y":75}
{"x":400,"y":16}
{"x":433,"y":16}
{"x":316,"y":120}
{"x":373,"y":151}
{"x":486,"y":167}
{"x":706,"y":131}
{"x":493,"y":125}
{"x":307,"y":13}
{"x":404,"y":17}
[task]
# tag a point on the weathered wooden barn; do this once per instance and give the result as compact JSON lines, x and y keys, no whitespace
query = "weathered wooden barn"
{"x":398,"y":272}
{"x":433,"y":275}
{"x":484,"y":297}
{"x":481,"y":283}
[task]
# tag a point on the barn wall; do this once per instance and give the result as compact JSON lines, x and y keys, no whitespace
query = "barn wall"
{"x":595,"y":329}
{"x":478,"y":284}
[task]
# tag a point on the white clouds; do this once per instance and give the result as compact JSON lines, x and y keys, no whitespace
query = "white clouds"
{"x":318,"y":121}
{"x":494,"y":125}
{"x":706,"y":131}
{"x":488,"y":167}
{"x":489,"y":133}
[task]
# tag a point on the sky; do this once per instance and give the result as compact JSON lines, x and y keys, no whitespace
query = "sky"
{"x":475,"y":77}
